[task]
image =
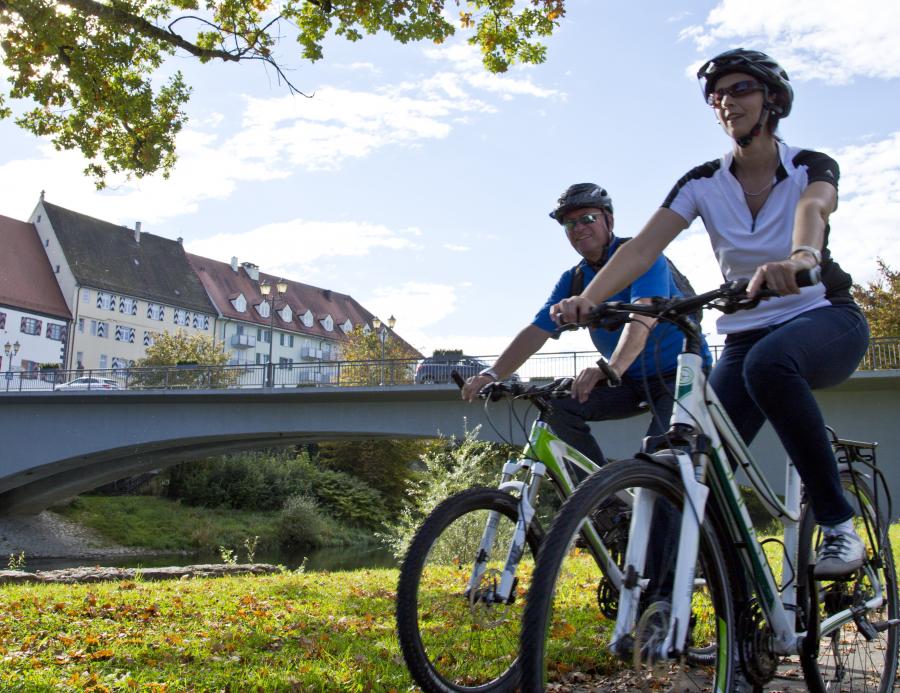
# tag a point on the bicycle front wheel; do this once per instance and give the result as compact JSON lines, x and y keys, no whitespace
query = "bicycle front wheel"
{"x":455,"y":637}
{"x":564,"y":641}
{"x":859,"y":652}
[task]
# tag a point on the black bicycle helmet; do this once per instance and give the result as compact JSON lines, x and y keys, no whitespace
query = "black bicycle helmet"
{"x":756,"y":64}
{"x":579,"y":196}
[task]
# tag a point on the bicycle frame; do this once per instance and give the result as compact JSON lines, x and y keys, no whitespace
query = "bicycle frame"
{"x":706,"y":469}
{"x":544,"y":454}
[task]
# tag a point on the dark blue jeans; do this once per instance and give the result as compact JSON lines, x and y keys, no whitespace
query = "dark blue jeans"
{"x":569,"y":416}
{"x":770,"y":373}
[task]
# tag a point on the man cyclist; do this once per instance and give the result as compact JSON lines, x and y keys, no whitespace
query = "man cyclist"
{"x":642,"y":353}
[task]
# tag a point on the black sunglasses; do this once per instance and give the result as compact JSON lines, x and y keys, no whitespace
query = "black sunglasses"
{"x":584,"y":220}
{"x":738,"y":89}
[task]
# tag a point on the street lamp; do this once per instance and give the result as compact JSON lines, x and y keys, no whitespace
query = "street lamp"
{"x":383,"y":335}
{"x":11,"y":349}
{"x":266,"y":290}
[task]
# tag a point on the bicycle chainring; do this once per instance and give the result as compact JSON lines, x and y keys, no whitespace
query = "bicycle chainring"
{"x":757,"y":644}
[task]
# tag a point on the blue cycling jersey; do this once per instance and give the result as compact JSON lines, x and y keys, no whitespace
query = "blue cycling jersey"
{"x":665,"y":340}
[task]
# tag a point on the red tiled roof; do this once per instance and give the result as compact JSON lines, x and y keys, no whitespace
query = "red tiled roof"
{"x":222,"y":284}
{"x":27,"y":281}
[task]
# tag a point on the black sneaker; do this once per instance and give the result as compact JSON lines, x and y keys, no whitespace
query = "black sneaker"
{"x":838,"y":555}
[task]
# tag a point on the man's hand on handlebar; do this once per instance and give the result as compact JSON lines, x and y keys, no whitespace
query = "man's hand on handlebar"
{"x":569,"y":310}
{"x":586,"y":381}
{"x":474,"y":385}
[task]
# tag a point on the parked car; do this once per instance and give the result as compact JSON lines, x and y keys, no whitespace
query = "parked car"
{"x":89,"y":383}
{"x":437,"y":369}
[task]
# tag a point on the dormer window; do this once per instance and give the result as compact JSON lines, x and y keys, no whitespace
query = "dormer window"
{"x":327,"y":323}
{"x":263,"y":309}
{"x":307,"y":318}
{"x":366,"y":328}
{"x":286,"y":314}
{"x":347,"y":326}
{"x":239,"y":303}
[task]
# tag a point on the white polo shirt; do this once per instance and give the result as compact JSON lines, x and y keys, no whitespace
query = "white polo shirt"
{"x":742,"y":243}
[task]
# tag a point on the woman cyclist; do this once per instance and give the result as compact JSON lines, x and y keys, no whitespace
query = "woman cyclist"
{"x":765,"y":206}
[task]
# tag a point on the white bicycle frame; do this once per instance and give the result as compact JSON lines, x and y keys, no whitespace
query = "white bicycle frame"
{"x":697,"y":406}
{"x":544,"y":452}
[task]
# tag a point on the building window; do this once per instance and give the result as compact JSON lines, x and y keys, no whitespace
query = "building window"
{"x":99,"y":328}
{"x":155,"y":312}
{"x":281,"y":337}
{"x":258,"y":359}
{"x":128,"y":306}
{"x":106,"y":301}
{"x":285,"y":362}
{"x":57,"y":332}
{"x":200,"y":322}
{"x":30,"y":326}
{"x":85,"y":296}
{"x":239,"y":303}
{"x":80,"y":325}
{"x":79,"y":359}
{"x":2,"y":321}
{"x":124,"y":334}
{"x":102,"y":360}
{"x":148,"y":338}
{"x":182,"y":317}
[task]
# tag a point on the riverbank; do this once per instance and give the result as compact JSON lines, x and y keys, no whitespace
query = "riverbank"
{"x":50,"y":535}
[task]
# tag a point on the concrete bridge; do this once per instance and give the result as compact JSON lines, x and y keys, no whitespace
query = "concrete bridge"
{"x":54,"y":445}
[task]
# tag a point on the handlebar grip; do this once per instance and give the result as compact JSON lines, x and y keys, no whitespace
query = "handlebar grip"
{"x":458,"y":379}
{"x":809,"y":277}
{"x":612,"y":378}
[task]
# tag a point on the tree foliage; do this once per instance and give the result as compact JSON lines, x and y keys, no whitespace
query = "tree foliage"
{"x":90,"y":67}
{"x":364,"y":350}
{"x":178,"y":360}
{"x":386,"y":465}
{"x":880,"y":301}
{"x":170,"y":349}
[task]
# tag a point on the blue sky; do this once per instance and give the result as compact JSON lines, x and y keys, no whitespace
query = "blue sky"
{"x":420,"y":184}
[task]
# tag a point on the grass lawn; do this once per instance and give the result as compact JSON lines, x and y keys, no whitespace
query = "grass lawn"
{"x":292,"y":631}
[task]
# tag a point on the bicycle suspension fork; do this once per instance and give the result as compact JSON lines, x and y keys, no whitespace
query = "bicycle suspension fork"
{"x":527,"y":492}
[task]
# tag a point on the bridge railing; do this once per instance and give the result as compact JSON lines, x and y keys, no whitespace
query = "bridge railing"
{"x":883,"y":353}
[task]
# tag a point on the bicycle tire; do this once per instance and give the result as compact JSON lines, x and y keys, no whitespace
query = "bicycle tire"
{"x":460,"y":653}
{"x":716,"y":566}
{"x":845,"y":659}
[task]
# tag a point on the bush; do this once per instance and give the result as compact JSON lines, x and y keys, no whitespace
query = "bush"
{"x":351,"y":500}
{"x":302,"y":524}
{"x":452,"y":467}
{"x":250,"y":481}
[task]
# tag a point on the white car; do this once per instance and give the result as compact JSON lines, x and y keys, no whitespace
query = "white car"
{"x":89,"y":383}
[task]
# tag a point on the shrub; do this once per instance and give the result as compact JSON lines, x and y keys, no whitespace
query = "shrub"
{"x":450,"y":468}
{"x":302,"y":524}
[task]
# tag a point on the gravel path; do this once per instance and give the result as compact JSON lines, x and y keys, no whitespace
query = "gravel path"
{"x":49,"y":535}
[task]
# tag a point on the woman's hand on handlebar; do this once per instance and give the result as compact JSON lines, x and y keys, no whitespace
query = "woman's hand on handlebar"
{"x":569,"y":310}
{"x":780,"y":277}
{"x":586,"y":381}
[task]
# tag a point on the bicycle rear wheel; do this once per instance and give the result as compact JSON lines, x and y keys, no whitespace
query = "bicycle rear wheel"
{"x":452,"y":638}
{"x":564,"y":641}
{"x":862,"y":653}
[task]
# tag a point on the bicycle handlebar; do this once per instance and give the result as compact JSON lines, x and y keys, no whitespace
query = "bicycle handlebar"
{"x":728,"y":298}
{"x":557,"y":389}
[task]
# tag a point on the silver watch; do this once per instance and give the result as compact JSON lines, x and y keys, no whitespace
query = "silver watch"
{"x":491,"y":373}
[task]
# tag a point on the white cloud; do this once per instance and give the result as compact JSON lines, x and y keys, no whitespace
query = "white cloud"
{"x":457,"y":248}
{"x":834,"y":40}
{"x":276,"y":137}
{"x":865,"y":225}
{"x":286,"y":248}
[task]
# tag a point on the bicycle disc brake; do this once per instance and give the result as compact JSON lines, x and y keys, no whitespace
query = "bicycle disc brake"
{"x":757,"y":644}
{"x":656,"y":671}
{"x":487,"y":610}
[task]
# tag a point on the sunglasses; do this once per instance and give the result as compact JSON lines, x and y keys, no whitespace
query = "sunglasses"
{"x":738,"y":89}
{"x":584,"y":220}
